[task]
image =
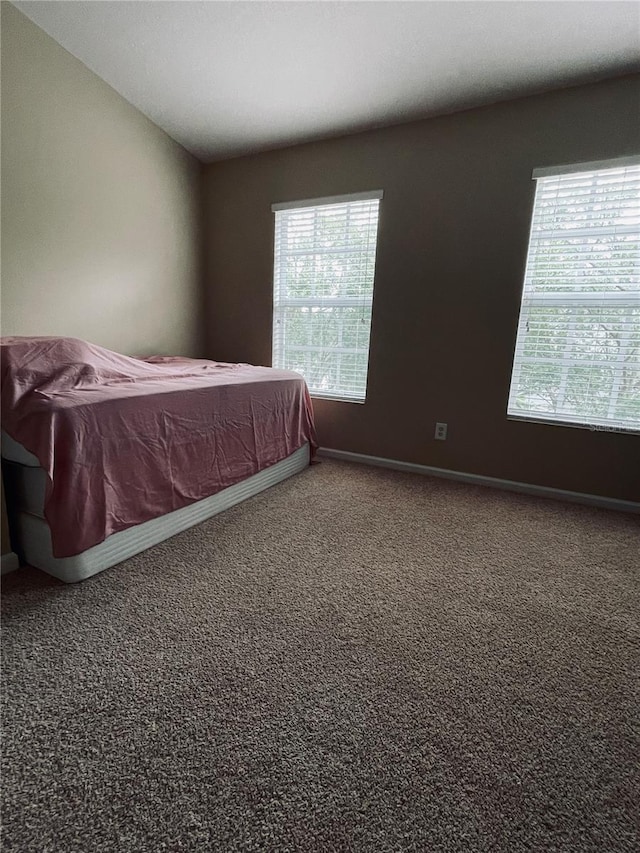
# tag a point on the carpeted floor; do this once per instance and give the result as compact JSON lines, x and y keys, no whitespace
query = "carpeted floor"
{"x":356,"y":660}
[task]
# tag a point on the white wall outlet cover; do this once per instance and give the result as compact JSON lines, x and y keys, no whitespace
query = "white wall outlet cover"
{"x":441,"y":432}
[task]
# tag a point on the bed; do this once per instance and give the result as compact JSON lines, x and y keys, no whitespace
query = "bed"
{"x":105,"y":455}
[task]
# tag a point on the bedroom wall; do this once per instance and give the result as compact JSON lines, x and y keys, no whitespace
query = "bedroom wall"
{"x":453,"y":238}
{"x":100,"y":208}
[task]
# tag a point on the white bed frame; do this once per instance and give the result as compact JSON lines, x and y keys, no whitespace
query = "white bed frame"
{"x":34,"y":535}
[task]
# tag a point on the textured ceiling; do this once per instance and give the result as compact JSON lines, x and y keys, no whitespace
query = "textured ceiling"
{"x":228,"y":78}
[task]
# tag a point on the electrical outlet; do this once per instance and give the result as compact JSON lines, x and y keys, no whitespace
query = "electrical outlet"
{"x":441,"y":432}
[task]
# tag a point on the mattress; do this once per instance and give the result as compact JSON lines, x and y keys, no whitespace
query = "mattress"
{"x":15,"y":452}
{"x":126,"y":440}
{"x":28,"y":484}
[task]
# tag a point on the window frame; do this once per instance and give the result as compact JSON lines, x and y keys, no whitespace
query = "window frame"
{"x":313,"y":302}
{"x":606,"y":299}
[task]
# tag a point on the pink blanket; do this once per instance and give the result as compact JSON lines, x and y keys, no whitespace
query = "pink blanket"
{"x":124,"y":440}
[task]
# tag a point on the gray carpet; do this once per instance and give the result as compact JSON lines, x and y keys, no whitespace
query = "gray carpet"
{"x":356,"y":660}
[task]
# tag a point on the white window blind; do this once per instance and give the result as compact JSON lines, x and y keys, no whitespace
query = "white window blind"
{"x":577,"y":355}
{"x":325,"y":253}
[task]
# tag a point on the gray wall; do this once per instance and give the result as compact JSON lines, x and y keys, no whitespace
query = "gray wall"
{"x":451,"y":254}
{"x":100,"y":208}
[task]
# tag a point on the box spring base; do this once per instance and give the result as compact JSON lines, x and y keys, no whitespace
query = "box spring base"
{"x":34,"y":534}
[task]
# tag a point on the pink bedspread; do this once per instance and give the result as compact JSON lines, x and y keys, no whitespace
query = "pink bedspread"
{"x":124,"y":440}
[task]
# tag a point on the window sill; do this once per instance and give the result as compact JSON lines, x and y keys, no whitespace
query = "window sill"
{"x":590,"y":427}
{"x":334,"y":398}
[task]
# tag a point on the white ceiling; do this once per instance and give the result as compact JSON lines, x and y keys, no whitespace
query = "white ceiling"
{"x":229,"y":78}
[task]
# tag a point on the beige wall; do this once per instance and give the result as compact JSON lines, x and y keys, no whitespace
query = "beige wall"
{"x":100,"y":208}
{"x":451,"y":253}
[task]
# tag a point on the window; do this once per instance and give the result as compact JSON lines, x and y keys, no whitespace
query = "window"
{"x":325,"y":254}
{"x":577,"y":355}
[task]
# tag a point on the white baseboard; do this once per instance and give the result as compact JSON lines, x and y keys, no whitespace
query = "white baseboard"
{"x":10,"y":563}
{"x":481,"y":480}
